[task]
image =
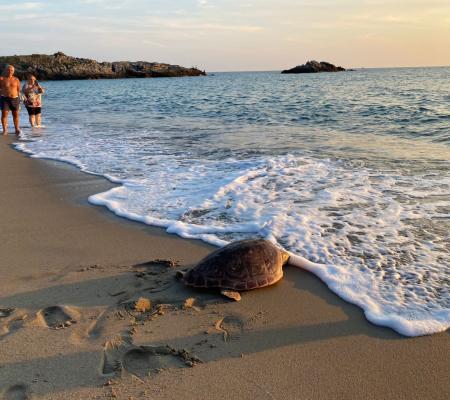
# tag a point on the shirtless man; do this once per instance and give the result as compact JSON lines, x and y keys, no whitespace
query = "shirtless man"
{"x":10,"y":101}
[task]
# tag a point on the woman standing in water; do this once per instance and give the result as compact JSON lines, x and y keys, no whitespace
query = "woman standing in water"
{"x":32,"y":92}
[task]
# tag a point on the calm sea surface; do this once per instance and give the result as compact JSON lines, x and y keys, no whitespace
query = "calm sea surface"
{"x":348,"y":170}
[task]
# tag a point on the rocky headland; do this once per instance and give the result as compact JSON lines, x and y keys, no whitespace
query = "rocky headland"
{"x":60,"y":66}
{"x":313,"y":67}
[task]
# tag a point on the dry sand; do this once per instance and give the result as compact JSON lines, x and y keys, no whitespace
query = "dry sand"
{"x":71,"y":326}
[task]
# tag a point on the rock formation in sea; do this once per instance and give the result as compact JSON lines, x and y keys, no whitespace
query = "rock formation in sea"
{"x":60,"y":66}
{"x":313,"y":66}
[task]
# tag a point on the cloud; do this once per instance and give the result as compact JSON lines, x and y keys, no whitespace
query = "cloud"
{"x":278,"y":28}
{"x":214,"y":27}
{"x":22,"y":6}
{"x":399,"y":19}
{"x":23,"y":17}
{"x":152,"y":43}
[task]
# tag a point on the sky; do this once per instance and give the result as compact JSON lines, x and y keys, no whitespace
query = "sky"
{"x":233,"y":35}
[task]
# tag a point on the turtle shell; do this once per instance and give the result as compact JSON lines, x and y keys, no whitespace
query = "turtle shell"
{"x":241,"y":265}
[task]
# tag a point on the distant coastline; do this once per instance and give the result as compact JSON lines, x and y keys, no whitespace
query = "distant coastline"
{"x":60,"y":66}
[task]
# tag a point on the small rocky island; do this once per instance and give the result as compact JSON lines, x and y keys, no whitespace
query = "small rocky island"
{"x":59,"y":66}
{"x":313,"y":67}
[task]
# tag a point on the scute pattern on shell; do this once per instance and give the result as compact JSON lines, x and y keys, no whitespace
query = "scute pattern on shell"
{"x":241,"y":265}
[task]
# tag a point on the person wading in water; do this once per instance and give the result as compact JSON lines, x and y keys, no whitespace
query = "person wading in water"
{"x":10,"y":100}
{"x":32,"y":92}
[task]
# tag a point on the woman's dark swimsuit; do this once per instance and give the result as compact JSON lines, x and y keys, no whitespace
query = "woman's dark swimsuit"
{"x":33,"y":110}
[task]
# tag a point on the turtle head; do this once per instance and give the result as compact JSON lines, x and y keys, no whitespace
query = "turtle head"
{"x":180,"y":274}
{"x":191,"y":277}
{"x":284,"y":257}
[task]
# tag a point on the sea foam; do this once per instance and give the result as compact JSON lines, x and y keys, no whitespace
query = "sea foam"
{"x":356,"y":229}
{"x":361,"y":241}
{"x":357,"y":190}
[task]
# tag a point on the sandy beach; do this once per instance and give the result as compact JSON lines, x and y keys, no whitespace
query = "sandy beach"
{"x":71,"y":325}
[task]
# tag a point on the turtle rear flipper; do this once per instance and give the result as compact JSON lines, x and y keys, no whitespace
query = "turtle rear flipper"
{"x":231,"y":294}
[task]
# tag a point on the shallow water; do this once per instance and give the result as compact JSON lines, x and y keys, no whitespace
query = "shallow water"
{"x":348,"y":170}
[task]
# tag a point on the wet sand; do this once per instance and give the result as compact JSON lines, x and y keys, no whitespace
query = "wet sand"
{"x":71,"y":325}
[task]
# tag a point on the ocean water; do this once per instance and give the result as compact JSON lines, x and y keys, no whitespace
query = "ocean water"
{"x":350,"y":172}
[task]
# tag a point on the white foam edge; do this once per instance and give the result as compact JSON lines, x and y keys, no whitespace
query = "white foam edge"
{"x":326,"y":273}
{"x":71,"y":161}
{"x":372,"y":312}
{"x":180,"y":228}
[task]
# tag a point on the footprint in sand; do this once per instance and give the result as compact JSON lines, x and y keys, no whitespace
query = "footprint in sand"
{"x":231,"y":327}
{"x":145,"y":360}
{"x":6,"y":312}
{"x":111,"y":366}
{"x":112,"y":353}
{"x":12,"y":326}
{"x":95,"y":331}
{"x":97,"y":327}
{"x":55,"y":317}
{"x":17,"y":392}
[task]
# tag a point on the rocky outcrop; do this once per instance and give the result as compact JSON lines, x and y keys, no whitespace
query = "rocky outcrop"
{"x":62,"y":67}
{"x":312,"y":67}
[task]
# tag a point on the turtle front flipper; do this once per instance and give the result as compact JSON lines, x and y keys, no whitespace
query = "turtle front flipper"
{"x":231,"y":294}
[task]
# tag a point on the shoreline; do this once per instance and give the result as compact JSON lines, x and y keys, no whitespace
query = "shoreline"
{"x":295,"y":339}
{"x":399,"y":323}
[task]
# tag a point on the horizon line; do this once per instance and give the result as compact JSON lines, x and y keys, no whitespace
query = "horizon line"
{"x":347,"y":69}
{"x":242,"y":70}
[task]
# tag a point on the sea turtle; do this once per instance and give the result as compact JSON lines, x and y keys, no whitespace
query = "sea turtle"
{"x":241,"y":265}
